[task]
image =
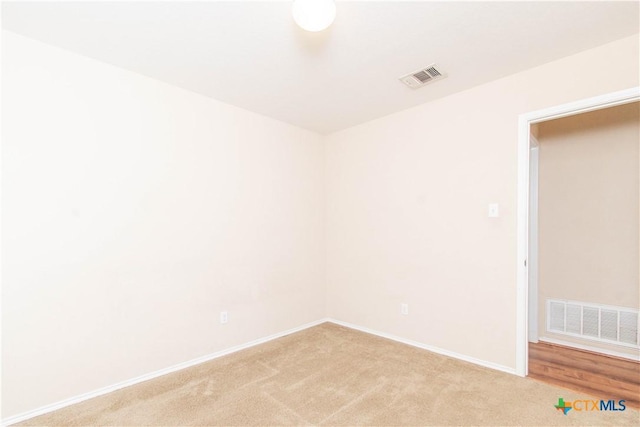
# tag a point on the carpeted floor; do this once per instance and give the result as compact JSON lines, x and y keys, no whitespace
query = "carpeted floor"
{"x":331,"y":375}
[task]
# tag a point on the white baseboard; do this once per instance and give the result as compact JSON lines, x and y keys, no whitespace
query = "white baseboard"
{"x":427,"y":347}
{"x":633,"y":357}
{"x":108,"y":389}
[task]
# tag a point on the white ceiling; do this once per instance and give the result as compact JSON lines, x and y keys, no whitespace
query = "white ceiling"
{"x":252,"y":55}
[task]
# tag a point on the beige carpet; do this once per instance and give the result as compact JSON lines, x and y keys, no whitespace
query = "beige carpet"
{"x":331,"y":375}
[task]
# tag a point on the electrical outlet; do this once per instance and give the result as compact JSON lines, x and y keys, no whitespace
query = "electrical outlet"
{"x":224,"y":317}
{"x":404,"y":309}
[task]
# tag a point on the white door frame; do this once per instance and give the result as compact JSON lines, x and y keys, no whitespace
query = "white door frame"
{"x":532,"y":256}
{"x":524,"y":134}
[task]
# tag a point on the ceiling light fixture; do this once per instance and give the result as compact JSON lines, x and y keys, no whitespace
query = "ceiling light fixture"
{"x":314,"y":15}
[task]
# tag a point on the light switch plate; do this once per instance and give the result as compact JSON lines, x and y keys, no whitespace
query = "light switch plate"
{"x":494,"y":211}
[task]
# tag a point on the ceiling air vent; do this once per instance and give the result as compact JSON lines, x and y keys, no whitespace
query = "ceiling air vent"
{"x":422,"y":77}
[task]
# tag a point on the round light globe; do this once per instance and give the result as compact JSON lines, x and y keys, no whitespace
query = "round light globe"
{"x":313,"y":15}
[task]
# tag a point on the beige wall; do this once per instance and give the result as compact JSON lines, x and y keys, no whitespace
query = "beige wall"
{"x":133,"y":213}
{"x":588,"y":210}
{"x":407,"y":198}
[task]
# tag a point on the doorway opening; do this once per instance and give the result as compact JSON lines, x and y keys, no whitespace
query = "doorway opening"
{"x":529,"y":318}
{"x":584,"y":202}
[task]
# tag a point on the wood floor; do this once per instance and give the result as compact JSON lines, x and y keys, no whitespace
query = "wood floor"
{"x":604,"y":377}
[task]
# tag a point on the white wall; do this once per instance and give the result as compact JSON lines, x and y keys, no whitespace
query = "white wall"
{"x":407,"y":200}
{"x":133,"y":212}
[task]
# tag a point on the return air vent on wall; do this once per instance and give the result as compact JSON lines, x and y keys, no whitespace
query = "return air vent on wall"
{"x":614,"y":325}
{"x":422,"y":77}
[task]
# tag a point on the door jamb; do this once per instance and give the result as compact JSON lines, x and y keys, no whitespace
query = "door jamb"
{"x":532,"y":257}
{"x":524,"y":133}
